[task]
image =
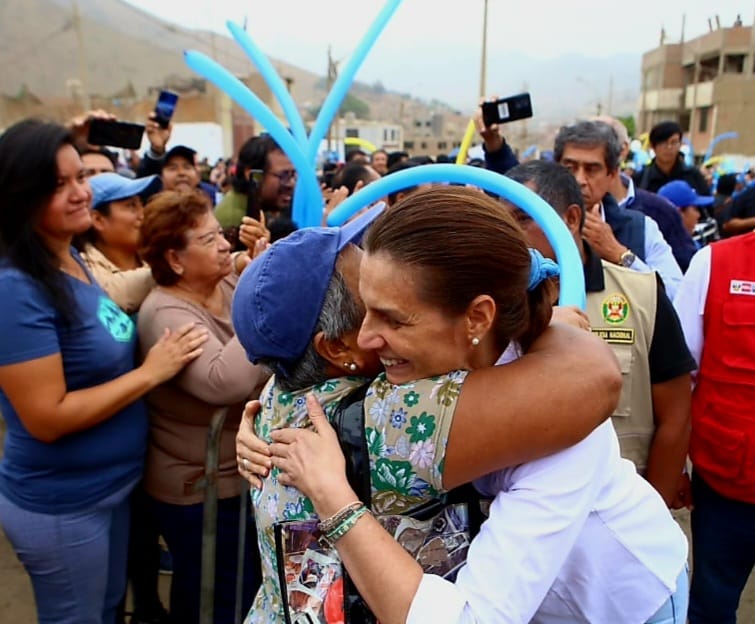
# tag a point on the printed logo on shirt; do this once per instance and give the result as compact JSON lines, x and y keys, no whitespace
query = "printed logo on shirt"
{"x":115,"y":320}
{"x":615,"y":309}
{"x":740,"y":287}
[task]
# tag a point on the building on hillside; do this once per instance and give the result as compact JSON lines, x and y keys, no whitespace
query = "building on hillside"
{"x":706,"y":84}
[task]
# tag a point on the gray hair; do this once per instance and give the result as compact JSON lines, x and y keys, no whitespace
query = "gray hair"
{"x":339,"y":315}
{"x":590,"y":134}
{"x":554,"y":183}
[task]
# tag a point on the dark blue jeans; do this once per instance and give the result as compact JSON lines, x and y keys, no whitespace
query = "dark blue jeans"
{"x":723,"y":554}
{"x":181,"y":526}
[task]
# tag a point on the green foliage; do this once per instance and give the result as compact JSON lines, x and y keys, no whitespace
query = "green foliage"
{"x":629,"y":124}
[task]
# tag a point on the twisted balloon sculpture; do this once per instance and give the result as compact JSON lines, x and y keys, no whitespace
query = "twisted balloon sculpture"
{"x":302,"y":151}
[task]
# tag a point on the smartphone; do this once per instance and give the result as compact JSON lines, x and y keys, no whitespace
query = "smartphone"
{"x":507,"y":109}
{"x":164,"y":108}
{"x":115,"y":133}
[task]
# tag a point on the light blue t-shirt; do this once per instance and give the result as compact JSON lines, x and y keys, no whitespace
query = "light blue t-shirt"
{"x":79,"y":469}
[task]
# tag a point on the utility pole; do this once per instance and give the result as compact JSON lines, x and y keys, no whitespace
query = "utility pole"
{"x":331,"y":78}
{"x":484,"y":59}
{"x":83,"y":71}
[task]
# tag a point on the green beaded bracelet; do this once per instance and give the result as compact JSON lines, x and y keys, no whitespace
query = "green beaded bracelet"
{"x":346,"y":525}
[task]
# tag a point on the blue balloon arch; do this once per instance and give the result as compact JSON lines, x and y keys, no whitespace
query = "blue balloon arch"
{"x":572,"y":275}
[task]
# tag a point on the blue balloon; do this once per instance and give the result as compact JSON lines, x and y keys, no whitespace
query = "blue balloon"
{"x":720,"y":137}
{"x":307,"y":208}
{"x":273,"y":80}
{"x":341,"y":87}
{"x":572,"y":276}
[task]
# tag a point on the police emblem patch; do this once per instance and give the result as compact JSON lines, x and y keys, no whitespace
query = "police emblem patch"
{"x":615,"y":309}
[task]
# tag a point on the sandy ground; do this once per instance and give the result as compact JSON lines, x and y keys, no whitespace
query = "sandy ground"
{"x":17,"y":600}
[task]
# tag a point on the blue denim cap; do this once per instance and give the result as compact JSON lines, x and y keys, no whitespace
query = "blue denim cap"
{"x":109,"y":187}
{"x":681,"y":194}
{"x":279,"y":296}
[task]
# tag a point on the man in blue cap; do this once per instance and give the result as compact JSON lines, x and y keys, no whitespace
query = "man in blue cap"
{"x":692,"y":208}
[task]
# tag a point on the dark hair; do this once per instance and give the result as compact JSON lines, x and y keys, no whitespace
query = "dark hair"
{"x":102,"y":151}
{"x":726,"y":184}
{"x":252,"y":155}
{"x":663,"y":132}
{"x":395,"y":157}
{"x":351,"y":174}
{"x":167,"y":218}
{"x":378,"y":151}
{"x":28,"y":179}
{"x":356,"y":153}
{"x":590,"y":134}
{"x":400,"y":166}
{"x":280,"y":228}
{"x":464,"y":244}
{"x":553,"y":182}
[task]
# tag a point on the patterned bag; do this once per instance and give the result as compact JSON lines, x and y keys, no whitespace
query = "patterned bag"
{"x":316,"y":588}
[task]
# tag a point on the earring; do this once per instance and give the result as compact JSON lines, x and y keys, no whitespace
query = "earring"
{"x":352,"y":367}
{"x":475,"y":341}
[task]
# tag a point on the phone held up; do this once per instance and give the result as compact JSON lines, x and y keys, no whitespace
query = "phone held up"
{"x":115,"y":133}
{"x":165,"y":107}
{"x":507,"y":109}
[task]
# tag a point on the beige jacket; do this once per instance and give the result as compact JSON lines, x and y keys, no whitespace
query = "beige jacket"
{"x":127,"y":288}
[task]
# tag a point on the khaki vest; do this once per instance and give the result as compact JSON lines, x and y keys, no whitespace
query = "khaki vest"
{"x":624,"y":316}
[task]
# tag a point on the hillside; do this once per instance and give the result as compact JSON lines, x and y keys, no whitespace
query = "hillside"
{"x":124,"y":48}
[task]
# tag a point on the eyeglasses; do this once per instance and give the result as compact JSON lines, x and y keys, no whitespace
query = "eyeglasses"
{"x":669,"y":144}
{"x":284,"y":177}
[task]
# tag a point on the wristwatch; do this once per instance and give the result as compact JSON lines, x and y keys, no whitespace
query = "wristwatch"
{"x":627,"y":258}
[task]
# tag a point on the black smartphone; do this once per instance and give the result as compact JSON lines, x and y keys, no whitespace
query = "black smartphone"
{"x":165,"y":107}
{"x":115,"y":133}
{"x":507,"y":109}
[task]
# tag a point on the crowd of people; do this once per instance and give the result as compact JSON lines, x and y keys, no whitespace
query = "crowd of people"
{"x":147,"y":292}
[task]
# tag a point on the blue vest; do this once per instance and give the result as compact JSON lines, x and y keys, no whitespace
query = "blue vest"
{"x":628,"y":226}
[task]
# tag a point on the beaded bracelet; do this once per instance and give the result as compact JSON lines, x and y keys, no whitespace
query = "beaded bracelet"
{"x":346,"y":525}
{"x":326,"y":526}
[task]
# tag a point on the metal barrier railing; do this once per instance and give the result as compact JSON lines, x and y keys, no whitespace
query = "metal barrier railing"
{"x":209,"y":483}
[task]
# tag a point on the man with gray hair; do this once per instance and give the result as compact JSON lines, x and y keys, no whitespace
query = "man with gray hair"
{"x":658,"y":208}
{"x":590,"y":150}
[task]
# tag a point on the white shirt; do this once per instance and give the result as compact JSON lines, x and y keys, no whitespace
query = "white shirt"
{"x":690,"y":301}
{"x":574,"y":537}
{"x":658,"y":257}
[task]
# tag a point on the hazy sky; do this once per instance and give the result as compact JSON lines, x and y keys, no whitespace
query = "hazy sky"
{"x":438,"y":31}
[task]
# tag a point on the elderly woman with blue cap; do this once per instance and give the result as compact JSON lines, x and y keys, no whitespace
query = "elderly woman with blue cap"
{"x":298,"y":310}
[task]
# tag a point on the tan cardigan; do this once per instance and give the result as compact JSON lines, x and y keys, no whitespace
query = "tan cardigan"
{"x":127,"y":288}
{"x":180,"y":409}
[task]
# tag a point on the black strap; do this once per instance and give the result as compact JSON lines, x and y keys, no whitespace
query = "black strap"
{"x":348,"y":421}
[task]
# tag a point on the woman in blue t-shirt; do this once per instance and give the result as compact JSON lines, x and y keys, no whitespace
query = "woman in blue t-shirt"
{"x":69,"y":388}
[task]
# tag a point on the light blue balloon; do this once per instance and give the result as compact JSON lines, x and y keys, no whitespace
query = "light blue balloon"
{"x":715,"y":141}
{"x":341,"y":87}
{"x":307,"y":208}
{"x":273,"y":80}
{"x":572,"y":276}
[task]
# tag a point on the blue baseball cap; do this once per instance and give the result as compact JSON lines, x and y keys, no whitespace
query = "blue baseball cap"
{"x":279,"y":296}
{"x":109,"y":187}
{"x":681,"y":194}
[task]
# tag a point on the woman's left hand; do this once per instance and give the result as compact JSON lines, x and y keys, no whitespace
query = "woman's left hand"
{"x":312,"y":461}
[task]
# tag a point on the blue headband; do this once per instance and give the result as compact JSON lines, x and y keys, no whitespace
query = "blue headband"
{"x":540,"y":269}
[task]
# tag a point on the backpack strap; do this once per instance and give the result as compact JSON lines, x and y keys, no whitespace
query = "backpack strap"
{"x":348,"y":421}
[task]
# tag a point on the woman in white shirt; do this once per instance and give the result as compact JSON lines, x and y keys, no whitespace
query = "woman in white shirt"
{"x":575,"y":537}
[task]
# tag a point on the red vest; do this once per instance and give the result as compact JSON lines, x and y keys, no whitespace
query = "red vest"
{"x":722,"y":447}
